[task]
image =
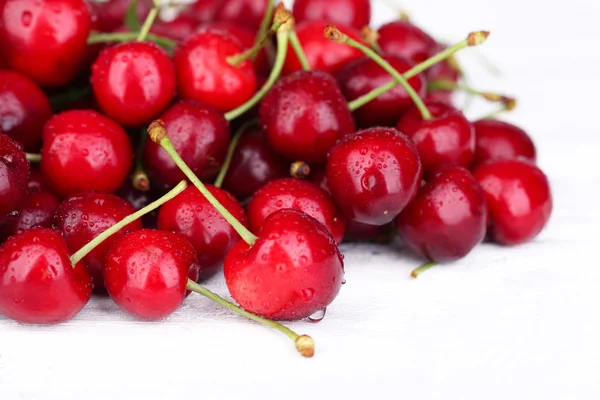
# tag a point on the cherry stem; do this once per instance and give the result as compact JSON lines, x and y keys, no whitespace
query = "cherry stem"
{"x":447,"y":85}
{"x":297,"y":46}
{"x":145,"y":29}
{"x":422,"y":269}
{"x":264,"y":26}
{"x":300,"y":170}
{"x":140,"y":180}
{"x":158,"y":134}
{"x":123,"y":37}
{"x":474,"y":39}
{"x":370,"y":37}
{"x":85,"y":250}
{"x":232,"y":146}
{"x":304,"y":343}
{"x":509,"y":104}
{"x":33,"y":158}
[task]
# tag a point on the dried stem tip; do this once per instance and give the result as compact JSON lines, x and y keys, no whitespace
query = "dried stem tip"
{"x":300,"y":170}
{"x":477,"y":38}
{"x":369,"y":35}
{"x":157,"y":131}
{"x":305,"y":345}
{"x":283,"y":18}
{"x":141,"y":182}
{"x":509,"y":103}
{"x":333,"y":34}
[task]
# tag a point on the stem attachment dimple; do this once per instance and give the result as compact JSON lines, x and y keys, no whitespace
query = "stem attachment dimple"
{"x":422,"y":269}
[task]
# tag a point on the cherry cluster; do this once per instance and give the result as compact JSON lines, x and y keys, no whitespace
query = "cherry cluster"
{"x":295,"y":131}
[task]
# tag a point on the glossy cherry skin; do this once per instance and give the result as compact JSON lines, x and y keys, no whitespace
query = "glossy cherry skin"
{"x":448,"y":138}
{"x":133,"y":82}
{"x":37,"y":210}
{"x":292,"y":271}
{"x":360,"y":76}
{"x":49,"y":33}
{"x":24,"y":109}
{"x":38,"y":284}
{"x":204,"y":74}
{"x":111,"y":14}
{"x":304,"y":115}
{"x":14,"y":172}
{"x":519,"y":199}
{"x":201,"y":224}
{"x":243,"y":12}
{"x":447,"y":219}
{"x":84,"y":151}
{"x":82,"y":217}
{"x":322,"y":53}
{"x":404,"y":39}
{"x":200,"y":135}
{"x":497,"y":139}
{"x":355,"y":13}
{"x":373,"y":174}
{"x":146,"y":272}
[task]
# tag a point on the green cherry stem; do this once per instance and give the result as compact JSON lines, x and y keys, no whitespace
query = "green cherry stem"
{"x":422,"y":269}
{"x":371,"y":37}
{"x":145,"y":29}
{"x":447,"y":85}
{"x":304,"y":343}
{"x":232,"y":146}
{"x":158,"y":134}
{"x":297,"y":46}
{"x":508,"y":105}
{"x":123,"y":37}
{"x":474,"y":39}
{"x":264,"y":26}
{"x":334,"y":34}
{"x":85,"y":250}
{"x":33,"y":158}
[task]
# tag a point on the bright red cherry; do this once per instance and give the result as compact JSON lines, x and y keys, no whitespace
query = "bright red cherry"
{"x":373,"y":174}
{"x":292,"y":271}
{"x":447,"y":219}
{"x":111,"y":13}
{"x":14,"y":171}
{"x":24,"y":109}
{"x":38,"y":284}
{"x":45,"y":40}
{"x":447,"y":138}
{"x":355,"y":13}
{"x":133,"y":82}
{"x":361,"y":76}
{"x":201,"y":224}
{"x":146,"y":272}
{"x":497,"y":139}
{"x":37,"y":210}
{"x":243,"y":12}
{"x":304,"y":115}
{"x":84,"y":151}
{"x":322,"y":53}
{"x":82,"y":217}
{"x":199,"y":133}
{"x":519,"y":199}
{"x":203,"y":72}
{"x":404,"y":39}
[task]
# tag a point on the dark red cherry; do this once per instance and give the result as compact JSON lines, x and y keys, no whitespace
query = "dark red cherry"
{"x":292,"y":271}
{"x":373,"y":174}
{"x":243,"y":12}
{"x":361,"y":76}
{"x":447,"y":138}
{"x":133,"y":82}
{"x":24,"y":109}
{"x":178,"y":29}
{"x":497,"y":139}
{"x":304,"y":115}
{"x":146,"y":272}
{"x":37,"y":210}
{"x":84,"y":151}
{"x":402,"y":38}
{"x":45,"y":40}
{"x":204,"y":74}
{"x":200,"y":135}
{"x":253,"y":164}
{"x":519,"y":199}
{"x":38,"y":284}
{"x":36,"y":180}
{"x":82,"y":217}
{"x":111,"y":14}
{"x":322,"y":53}
{"x":355,"y":13}
{"x":14,"y":172}
{"x":140,"y":199}
{"x":446,"y":70}
{"x":204,"y":10}
{"x":358,"y":232}
{"x":447,"y":219}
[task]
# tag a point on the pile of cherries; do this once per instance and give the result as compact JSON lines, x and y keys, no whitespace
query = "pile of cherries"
{"x":295,"y":131}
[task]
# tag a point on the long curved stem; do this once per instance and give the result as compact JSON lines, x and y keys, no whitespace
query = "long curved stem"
{"x":145,"y":29}
{"x":232,"y":146}
{"x":297,"y":46}
{"x":264,"y":26}
{"x":122,"y":37}
{"x":422,"y":269}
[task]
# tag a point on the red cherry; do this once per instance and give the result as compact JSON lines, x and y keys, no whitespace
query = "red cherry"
{"x":178,"y":29}
{"x":199,"y":133}
{"x":139,"y":199}
{"x":292,"y":271}
{"x":243,"y":12}
{"x":518,"y":197}
{"x":322,"y":53}
{"x":359,"y":232}
{"x":146,"y":272}
{"x":448,"y":138}
{"x":361,"y":76}
{"x":82,"y":217}
{"x":204,"y":10}
{"x":24,"y":109}
{"x":298,"y":195}
{"x":401,"y":38}
{"x":373,"y":174}
{"x":111,"y":13}
{"x":14,"y":171}
{"x":356,"y":13}
{"x":133,"y":82}
{"x":204,"y":74}
{"x":49,"y":33}
{"x":496,"y":139}
{"x":37,"y":210}
{"x":447,"y":219}
{"x":36,"y":180}
{"x":84,"y":151}
{"x":201,"y":224}
{"x":38,"y":284}
{"x":304,"y":115}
